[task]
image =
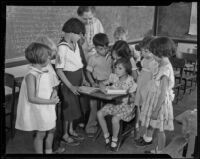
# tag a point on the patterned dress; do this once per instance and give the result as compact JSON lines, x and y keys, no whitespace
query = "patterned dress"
{"x":152,"y":93}
{"x":124,"y":109}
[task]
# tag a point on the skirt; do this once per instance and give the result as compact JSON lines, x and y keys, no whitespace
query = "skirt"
{"x":70,"y":101}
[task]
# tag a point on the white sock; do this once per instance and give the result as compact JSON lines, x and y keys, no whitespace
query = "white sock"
{"x":114,"y":144}
{"x":106,"y":135}
{"x":146,"y":138}
{"x":48,"y":151}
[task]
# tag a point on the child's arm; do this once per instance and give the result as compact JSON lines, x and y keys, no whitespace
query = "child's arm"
{"x":66,"y":81}
{"x":161,"y":98}
{"x":85,"y":82}
{"x":92,"y":82}
{"x":31,"y":92}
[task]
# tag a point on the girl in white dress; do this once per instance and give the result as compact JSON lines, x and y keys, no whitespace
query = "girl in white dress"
{"x":37,"y":98}
{"x":157,"y":109}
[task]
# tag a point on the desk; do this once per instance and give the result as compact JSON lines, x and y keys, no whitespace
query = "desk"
{"x":188,"y":119}
{"x":100,"y":96}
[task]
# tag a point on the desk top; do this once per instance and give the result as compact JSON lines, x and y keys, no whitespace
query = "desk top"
{"x":101,"y":95}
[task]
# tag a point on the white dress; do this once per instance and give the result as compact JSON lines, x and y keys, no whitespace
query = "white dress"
{"x":41,"y":117}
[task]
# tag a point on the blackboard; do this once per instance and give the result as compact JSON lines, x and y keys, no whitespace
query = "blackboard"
{"x":174,"y":20}
{"x":25,"y":23}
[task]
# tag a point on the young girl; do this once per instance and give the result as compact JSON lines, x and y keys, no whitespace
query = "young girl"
{"x":157,"y":110}
{"x":93,"y":26}
{"x":149,"y":69}
{"x":121,"y":50}
{"x":70,"y":70}
{"x":37,"y":99}
{"x":122,"y":111}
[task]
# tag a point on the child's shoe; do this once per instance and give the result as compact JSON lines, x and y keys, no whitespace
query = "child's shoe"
{"x":107,"y":141}
{"x":142,"y":143}
{"x":114,"y":146}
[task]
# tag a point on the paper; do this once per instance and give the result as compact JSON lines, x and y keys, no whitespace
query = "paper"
{"x":116,"y":91}
{"x":86,"y":89}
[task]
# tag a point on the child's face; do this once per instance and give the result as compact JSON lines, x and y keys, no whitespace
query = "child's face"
{"x":115,"y":56}
{"x":121,"y":37}
{"x":120,"y":70}
{"x":75,"y":37}
{"x":101,"y":50}
{"x":46,"y":63}
{"x":87,"y":17}
{"x":146,"y":53}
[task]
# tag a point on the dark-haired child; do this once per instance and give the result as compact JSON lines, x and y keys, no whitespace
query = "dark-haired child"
{"x":37,"y":99}
{"x":99,"y":69}
{"x":121,"y":49}
{"x":157,"y":109}
{"x":121,"y":79}
{"x":70,"y":70}
{"x":93,"y":26}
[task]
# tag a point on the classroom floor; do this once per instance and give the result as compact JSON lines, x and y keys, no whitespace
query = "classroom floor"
{"x":23,"y":141}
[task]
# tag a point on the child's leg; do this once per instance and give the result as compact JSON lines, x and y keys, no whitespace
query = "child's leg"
{"x":161,"y":140}
{"x":116,"y":126}
{"x":38,"y":141}
{"x":66,"y":126}
{"x":137,"y":134}
{"x":92,"y":117}
{"x":101,"y":118}
{"x":49,"y":141}
{"x":149,"y":134}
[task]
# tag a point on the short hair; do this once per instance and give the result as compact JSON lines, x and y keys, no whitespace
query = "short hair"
{"x":126,"y":63}
{"x":37,"y":53}
{"x":162,"y":47}
{"x":122,"y":49}
{"x":119,"y":31}
{"x":74,"y":25}
{"x":47,"y":41}
{"x":145,"y":42}
{"x":100,"y":39}
{"x":82,"y":9}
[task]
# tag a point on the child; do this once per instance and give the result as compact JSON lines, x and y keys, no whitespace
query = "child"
{"x":149,"y":69}
{"x":99,"y":69}
{"x":121,"y":50}
{"x":70,"y":70}
{"x":121,"y":33}
{"x":93,"y":26}
{"x":122,"y":79}
{"x":37,"y":99}
{"x":157,"y":110}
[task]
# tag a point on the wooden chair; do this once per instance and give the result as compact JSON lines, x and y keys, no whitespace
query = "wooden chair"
{"x":190,"y":71}
{"x":178,"y":66}
{"x":9,"y":85}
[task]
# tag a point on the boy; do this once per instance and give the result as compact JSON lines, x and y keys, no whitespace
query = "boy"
{"x":98,"y":70}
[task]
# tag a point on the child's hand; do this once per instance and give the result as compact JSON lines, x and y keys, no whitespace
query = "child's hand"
{"x":55,"y":100}
{"x":85,"y":83}
{"x":94,"y":84}
{"x":74,"y":89}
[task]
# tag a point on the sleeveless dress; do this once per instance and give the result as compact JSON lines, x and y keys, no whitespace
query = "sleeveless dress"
{"x":149,"y":69}
{"x":152,"y":92}
{"x":41,"y":117}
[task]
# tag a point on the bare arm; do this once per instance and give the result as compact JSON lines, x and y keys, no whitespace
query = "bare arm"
{"x":92,"y":82}
{"x":31,"y":92}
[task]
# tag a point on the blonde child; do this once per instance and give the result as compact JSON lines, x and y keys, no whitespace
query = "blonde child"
{"x":121,"y":79}
{"x":121,"y":50}
{"x":93,"y":26}
{"x":69,"y":67}
{"x":149,"y":69}
{"x":37,"y":99}
{"x":157,"y":109}
{"x":99,"y":69}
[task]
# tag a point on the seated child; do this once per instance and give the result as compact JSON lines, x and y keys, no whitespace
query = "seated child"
{"x":121,"y":79}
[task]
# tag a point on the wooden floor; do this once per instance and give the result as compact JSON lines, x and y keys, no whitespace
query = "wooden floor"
{"x":23,"y":141}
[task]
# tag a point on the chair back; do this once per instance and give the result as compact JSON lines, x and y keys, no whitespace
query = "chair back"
{"x":9,"y":80}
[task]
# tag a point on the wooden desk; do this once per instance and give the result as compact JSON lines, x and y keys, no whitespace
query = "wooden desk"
{"x":101,"y":97}
{"x":188,"y":119}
